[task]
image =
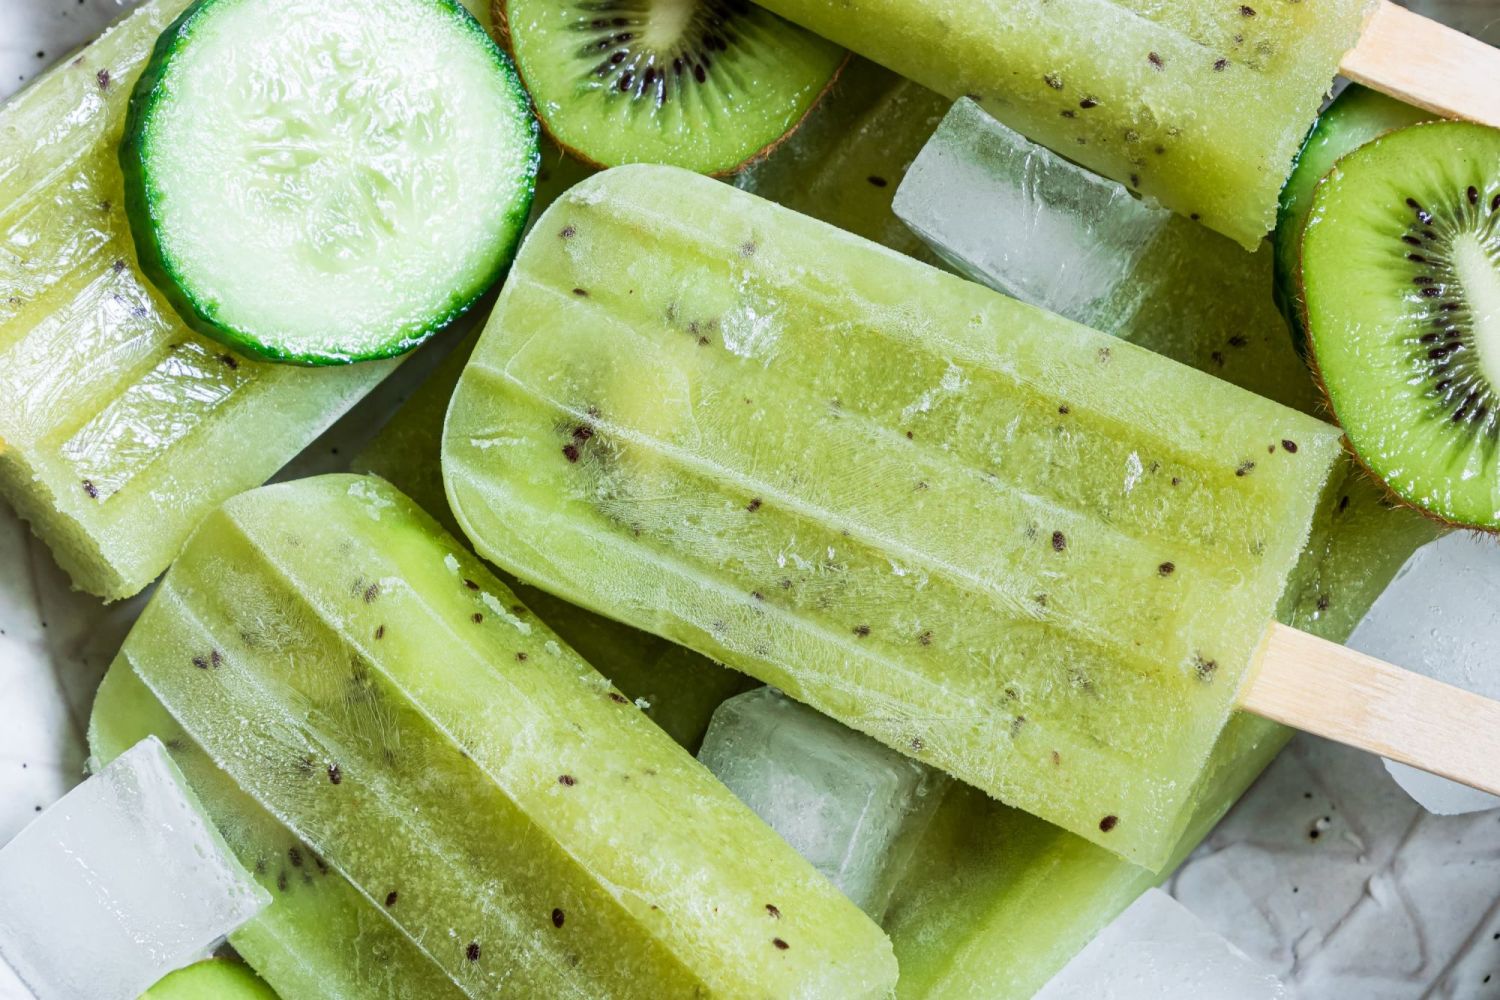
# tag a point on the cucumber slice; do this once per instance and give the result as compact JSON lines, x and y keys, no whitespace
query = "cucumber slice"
{"x":1355,"y":117}
{"x":326,"y":181}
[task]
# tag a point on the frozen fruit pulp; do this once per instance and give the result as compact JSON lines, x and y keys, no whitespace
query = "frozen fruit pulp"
{"x":376,"y":690}
{"x":784,"y":453}
{"x":1201,"y":106}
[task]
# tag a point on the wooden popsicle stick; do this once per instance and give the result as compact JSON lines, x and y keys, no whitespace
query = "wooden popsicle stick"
{"x":1426,"y":64}
{"x":1321,"y":687}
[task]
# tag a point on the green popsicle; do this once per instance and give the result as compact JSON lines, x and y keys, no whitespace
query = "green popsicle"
{"x":1199,"y":105}
{"x":1026,"y":553}
{"x":997,"y":901}
{"x":418,"y":733}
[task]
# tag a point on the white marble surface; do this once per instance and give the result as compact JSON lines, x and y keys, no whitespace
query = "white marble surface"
{"x":1326,"y":873}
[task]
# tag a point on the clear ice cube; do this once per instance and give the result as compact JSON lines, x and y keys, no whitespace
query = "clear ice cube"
{"x":1158,"y":949}
{"x":1019,"y":218}
{"x":119,"y":883}
{"x":849,"y":805}
{"x":1440,"y":616}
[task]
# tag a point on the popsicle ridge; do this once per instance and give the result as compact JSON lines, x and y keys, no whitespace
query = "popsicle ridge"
{"x":946,"y":366}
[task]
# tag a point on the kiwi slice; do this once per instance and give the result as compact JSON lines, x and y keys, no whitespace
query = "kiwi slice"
{"x":1401,"y":300}
{"x":706,"y":85}
{"x":1355,"y":117}
{"x":212,"y":979}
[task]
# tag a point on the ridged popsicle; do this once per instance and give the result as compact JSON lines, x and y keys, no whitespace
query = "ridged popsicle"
{"x":1201,"y":105}
{"x":997,"y":900}
{"x":1026,"y":553}
{"x":391,"y":740}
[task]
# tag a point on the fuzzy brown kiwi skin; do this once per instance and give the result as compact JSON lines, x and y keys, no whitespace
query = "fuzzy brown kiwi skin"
{"x":766,"y":151}
{"x":500,"y":14}
{"x":1325,"y":400}
{"x":501,"y":18}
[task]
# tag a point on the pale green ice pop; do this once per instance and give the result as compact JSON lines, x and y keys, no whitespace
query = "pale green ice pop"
{"x":395,"y":743}
{"x":997,"y":901}
{"x":1031,"y":555}
{"x":1201,"y":104}
{"x":120,"y":428}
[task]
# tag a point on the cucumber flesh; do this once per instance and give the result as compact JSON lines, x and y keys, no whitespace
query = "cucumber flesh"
{"x":326,"y":181}
{"x":1355,"y":117}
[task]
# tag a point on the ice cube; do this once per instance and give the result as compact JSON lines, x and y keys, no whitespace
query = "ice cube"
{"x":1158,"y":950}
{"x":119,"y":883}
{"x":1017,"y":217}
{"x":1440,"y":616}
{"x":849,"y":805}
